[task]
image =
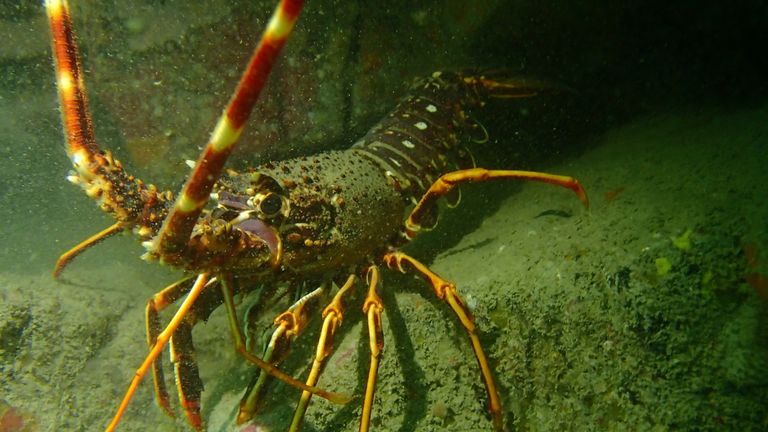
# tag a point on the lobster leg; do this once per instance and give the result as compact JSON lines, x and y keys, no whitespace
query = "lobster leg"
{"x":188,"y":382}
{"x":447,"y":292}
{"x":182,"y":347}
{"x":239,"y":342}
{"x":372,"y":308}
{"x":424,"y":210}
{"x":162,"y":339}
{"x":155,"y":305}
{"x":332,"y":317}
{"x":289,"y":325}
{"x":69,"y":255}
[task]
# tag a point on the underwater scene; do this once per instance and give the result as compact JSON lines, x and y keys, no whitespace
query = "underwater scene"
{"x":501,"y":215}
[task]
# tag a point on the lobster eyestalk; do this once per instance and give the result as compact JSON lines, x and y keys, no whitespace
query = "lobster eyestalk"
{"x":170,"y":243}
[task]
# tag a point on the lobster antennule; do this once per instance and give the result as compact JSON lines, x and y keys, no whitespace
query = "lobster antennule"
{"x":178,"y":226}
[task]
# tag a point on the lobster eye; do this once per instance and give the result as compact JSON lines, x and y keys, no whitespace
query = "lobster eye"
{"x":271,"y":204}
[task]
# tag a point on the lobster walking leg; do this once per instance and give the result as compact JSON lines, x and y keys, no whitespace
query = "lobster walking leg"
{"x":447,"y":182}
{"x":182,"y":349}
{"x":190,"y":386}
{"x":372,"y":308}
{"x":289,"y":325}
{"x":446,"y":291}
{"x":71,"y":254}
{"x":162,"y":339}
{"x":155,"y":305}
{"x":239,"y":342}
{"x":332,"y":317}
{"x":424,"y":211}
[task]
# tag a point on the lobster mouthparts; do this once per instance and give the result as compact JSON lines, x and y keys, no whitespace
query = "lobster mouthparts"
{"x":258,"y":228}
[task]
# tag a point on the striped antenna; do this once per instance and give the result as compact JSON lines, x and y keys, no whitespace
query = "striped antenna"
{"x":75,"y":115}
{"x":176,"y":230}
{"x":98,"y":173}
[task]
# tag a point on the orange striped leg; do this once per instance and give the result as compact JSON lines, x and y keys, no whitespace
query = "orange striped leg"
{"x":332,"y":317}
{"x":188,"y":383}
{"x":239,"y":341}
{"x":162,"y":339}
{"x":178,"y":226}
{"x":182,"y":349}
{"x":424,"y":210}
{"x":289,"y":325}
{"x":447,"y":292}
{"x":155,"y":305}
{"x":71,"y":254}
{"x":372,"y":309}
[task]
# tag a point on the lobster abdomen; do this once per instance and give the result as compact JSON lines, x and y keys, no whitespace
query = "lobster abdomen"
{"x":422,"y":137}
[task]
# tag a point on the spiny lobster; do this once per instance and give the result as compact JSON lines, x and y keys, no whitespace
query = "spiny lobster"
{"x":325,"y":220}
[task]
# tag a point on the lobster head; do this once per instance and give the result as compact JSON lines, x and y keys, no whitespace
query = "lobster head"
{"x":261,"y":220}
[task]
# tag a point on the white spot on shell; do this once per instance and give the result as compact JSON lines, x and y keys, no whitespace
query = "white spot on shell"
{"x":431,"y":108}
{"x":408,"y":144}
{"x":394,"y":161}
{"x":421,"y":125}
